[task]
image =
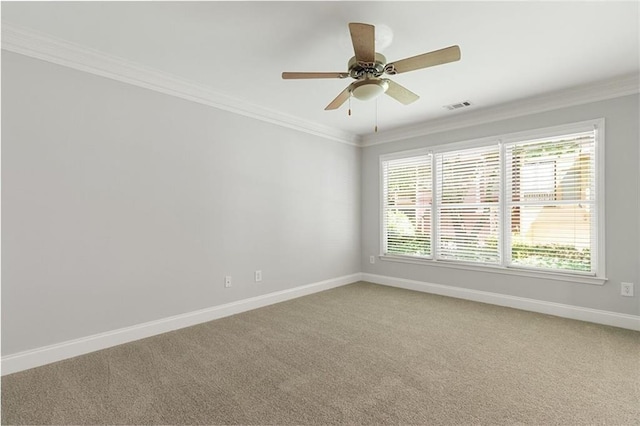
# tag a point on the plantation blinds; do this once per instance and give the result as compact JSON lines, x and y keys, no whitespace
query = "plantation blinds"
{"x":550,"y":199}
{"x":468,"y":204}
{"x":406,"y":204}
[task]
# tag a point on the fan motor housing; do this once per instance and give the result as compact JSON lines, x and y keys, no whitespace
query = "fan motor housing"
{"x":359,"y":70}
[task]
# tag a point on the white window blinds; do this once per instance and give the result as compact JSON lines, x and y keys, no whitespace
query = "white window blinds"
{"x":528,"y":201}
{"x":550,"y":199}
{"x":407,"y":199}
{"x":468,"y":203}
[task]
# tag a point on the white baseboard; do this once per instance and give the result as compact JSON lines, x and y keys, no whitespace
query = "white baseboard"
{"x":57,"y":352}
{"x":60,"y":351}
{"x":615,"y":319}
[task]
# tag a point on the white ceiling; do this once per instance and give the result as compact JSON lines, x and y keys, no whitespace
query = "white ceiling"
{"x":510,"y":50}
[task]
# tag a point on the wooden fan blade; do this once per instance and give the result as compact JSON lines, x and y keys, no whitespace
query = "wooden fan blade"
{"x":400,"y":93}
{"x":302,"y":75}
{"x":437,"y":57}
{"x":340,"y":99}
{"x":363,"y":37}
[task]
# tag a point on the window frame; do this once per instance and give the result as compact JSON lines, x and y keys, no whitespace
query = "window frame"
{"x":598,"y":231}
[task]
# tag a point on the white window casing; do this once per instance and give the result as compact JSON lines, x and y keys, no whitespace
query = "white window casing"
{"x":528,"y":203}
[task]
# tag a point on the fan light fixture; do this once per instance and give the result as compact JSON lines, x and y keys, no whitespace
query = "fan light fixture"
{"x":369,"y":89}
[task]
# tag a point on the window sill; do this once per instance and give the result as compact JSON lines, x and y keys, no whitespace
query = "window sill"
{"x":583,"y":279}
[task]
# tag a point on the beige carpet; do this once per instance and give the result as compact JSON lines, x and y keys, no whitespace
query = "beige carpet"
{"x":359,"y":354}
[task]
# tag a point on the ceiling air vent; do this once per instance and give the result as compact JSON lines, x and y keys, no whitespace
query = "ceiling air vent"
{"x":458,"y":105}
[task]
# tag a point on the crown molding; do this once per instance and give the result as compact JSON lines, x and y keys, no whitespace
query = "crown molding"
{"x":578,"y":95}
{"x":44,"y":47}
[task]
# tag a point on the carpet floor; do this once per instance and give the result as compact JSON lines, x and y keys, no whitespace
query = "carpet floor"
{"x":358,"y":354}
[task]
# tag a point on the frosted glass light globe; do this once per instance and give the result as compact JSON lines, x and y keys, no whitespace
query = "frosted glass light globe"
{"x":369,"y":89}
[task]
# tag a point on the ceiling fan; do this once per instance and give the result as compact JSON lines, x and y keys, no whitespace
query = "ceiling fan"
{"x":368,"y":66}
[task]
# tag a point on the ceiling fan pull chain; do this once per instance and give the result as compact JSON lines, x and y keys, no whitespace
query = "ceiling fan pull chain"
{"x":376,"y":128}
{"x":350,"y":103}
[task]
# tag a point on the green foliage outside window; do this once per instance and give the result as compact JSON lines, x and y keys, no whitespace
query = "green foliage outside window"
{"x":402,"y":237}
{"x":547,"y":256}
{"x":551,"y":256}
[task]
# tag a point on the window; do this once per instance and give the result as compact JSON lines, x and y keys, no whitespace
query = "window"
{"x":468,"y":187}
{"x":520,"y":202}
{"x":550,"y":192}
{"x":407,"y":205}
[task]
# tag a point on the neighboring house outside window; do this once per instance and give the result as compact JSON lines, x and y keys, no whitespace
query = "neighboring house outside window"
{"x":553,"y":202}
{"x":530,"y":201}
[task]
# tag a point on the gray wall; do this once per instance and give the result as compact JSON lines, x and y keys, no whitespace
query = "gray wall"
{"x":622,"y":211}
{"x":122,"y":205}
